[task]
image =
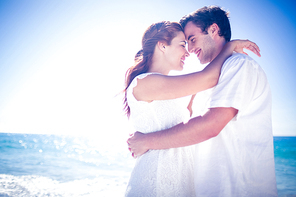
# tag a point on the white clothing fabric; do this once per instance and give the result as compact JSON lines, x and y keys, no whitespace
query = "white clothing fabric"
{"x":240,"y":160}
{"x":160,"y":172}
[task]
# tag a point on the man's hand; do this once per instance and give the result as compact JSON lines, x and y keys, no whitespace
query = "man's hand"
{"x":137,"y":144}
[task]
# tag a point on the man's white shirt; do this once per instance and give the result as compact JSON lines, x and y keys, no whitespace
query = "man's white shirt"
{"x":240,"y":160}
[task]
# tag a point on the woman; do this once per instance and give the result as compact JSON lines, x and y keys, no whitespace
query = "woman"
{"x":155,"y":101}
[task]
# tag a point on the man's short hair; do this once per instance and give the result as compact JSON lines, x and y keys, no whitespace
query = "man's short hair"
{"x":206,"y":16}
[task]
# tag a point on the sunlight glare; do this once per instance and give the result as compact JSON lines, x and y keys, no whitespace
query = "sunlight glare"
{"x":73,"y":91}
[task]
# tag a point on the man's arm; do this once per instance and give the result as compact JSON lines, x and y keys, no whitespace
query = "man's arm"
{"x":197,"y":130}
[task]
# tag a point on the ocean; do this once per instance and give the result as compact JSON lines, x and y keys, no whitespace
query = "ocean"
{"x":54,"y":165}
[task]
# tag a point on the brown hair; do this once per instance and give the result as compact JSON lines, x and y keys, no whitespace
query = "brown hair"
{"x":163,"y":31}
{"x":206,"y":16}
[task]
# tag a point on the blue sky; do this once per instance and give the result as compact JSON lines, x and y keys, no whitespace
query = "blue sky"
{"x":62,"y":62}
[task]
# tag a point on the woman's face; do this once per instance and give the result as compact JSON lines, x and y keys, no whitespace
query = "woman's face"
{"x":177,"y":52}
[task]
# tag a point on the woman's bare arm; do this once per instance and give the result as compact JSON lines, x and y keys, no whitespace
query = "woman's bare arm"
{"x":162,"y":87}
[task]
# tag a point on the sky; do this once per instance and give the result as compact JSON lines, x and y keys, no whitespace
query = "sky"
{"x":62,"y":63}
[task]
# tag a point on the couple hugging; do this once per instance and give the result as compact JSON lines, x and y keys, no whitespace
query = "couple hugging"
{"x":228,"y":151}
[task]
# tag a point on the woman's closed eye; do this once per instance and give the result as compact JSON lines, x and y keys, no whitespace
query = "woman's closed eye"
{"x":183,"y":44}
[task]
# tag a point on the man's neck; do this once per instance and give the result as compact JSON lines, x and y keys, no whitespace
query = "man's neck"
{"x":219,"y":46}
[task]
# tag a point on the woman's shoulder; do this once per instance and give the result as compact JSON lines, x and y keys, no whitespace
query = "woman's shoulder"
{"x":141,"y":76}
{"x":134,"y":83}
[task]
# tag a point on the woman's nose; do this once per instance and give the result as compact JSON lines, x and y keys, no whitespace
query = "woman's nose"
{"x":187,"y":54}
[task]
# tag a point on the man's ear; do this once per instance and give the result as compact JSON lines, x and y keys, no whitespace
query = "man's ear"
{"x":161,"y":46}
{"x":214,"y":30}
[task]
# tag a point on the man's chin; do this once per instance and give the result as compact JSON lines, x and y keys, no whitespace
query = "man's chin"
{"x":203,"y":61}
{"x":200,"y":60}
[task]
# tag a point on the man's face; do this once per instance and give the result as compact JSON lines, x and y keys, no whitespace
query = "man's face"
{"x":199,"y":43}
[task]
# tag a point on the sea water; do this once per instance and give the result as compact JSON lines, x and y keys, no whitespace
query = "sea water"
{"x":53,"y":165}
{"x":285,"y":165}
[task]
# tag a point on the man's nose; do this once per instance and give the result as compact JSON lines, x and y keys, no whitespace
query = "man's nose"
{"x":190,"y":48}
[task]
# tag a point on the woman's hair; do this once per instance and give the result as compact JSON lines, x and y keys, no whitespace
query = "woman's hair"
{"x":206,"y":16}
{"x":163,"y":31}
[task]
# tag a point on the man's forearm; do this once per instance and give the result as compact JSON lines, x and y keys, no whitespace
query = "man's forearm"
{"x":195,"y":131}
{"x":178,"y":136}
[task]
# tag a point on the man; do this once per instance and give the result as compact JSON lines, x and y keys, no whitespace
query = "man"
{"x":236,"y":155}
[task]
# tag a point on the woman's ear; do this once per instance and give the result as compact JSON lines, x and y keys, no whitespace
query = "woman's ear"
{"x":161,"y":46}
{"x":213,"y":30}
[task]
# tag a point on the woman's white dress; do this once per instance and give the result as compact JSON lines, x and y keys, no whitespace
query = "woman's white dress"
{"x":166,"y":172}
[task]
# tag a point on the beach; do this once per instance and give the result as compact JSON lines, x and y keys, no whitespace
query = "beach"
{"x":53,"y":165}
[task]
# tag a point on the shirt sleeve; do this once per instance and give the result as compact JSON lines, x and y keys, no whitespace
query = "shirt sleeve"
{"x":134,"y":83}
{"x":236,"y":83}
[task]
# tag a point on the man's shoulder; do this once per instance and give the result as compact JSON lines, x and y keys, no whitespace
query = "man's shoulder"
{"x":238,"y":60}
{"x":239,"y":57}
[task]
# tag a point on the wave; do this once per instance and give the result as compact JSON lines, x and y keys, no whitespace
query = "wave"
{"x":32,"y":185}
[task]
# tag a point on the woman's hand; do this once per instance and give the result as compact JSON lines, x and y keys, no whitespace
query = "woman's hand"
{"x":239,"y":45}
